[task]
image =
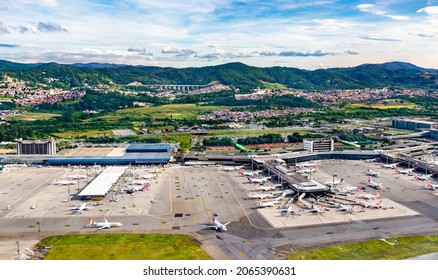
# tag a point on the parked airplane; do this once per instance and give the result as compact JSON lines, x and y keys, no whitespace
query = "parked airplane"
{"x":258,"y":180}
{"x":269,"y":203}
{"x":77,"y":177}
{"x":369,"y":196}
{"x":316,"y":209}
{"x":65,"y":183}
{"x":404,"y":171}
{"x":265,"y":188}
{"x":104,"y":225}
{"x":141,"y":182}
{"x":306,"y":164}
{"x":392,"y":165}
{"x":372,"y":173}
{"x":366,"y":204}
{"x":374,"y":185}
{"x":217,"y":225}
{"x":290,"y":211}
{"x":307,"y":170}
{"x":250,"y":174}
{"x":347,"y":189}
{"x":431,"y":186}
{"x":139,"y":188}
{"x":335,"y":183}
{"x":232,"y":168}
{"x":422,"y":177}
{"x":148,"y":176}
{"x":345,"y":208}
{"x":260,"y":195}
{"x":80,"y":208}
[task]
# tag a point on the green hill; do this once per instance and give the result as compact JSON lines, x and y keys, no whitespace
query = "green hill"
{"x":245,"y":77}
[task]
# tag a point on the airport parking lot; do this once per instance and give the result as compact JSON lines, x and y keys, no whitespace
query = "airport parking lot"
{"x":184,"y":198}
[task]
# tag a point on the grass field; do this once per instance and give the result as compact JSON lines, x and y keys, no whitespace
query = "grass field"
{"x":176,"y":111}
{"x":407,"y":247}
{"x":91,"y":133}
{"x":28,"y":116}
{"x":383,"y":104}
{"x":123,"y":247}
{"x":274,"y":85}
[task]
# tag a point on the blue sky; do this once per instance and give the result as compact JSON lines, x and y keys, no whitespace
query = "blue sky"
{"x":297,"y":33}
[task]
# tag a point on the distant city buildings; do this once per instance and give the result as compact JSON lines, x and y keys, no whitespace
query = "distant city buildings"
{"x":319,"y":145}
{"x":413,"y":124}
{"x":36,"y":147}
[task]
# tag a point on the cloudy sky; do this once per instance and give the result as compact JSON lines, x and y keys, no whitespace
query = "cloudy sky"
{"x":180,"y":33}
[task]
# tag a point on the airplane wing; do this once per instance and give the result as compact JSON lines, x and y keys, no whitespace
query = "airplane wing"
{"x":104,"y":227}
{"x":227,"y":223}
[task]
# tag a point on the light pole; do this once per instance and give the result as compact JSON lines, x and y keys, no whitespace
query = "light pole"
{"x":39,"y":226}
{"x":333,"y":181}
{"x":18,"y":249}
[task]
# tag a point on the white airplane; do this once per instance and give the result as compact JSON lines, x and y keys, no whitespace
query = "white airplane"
{"x":65,"y":183}
{"x":139,"y":188}
{"x":316,"y":209}
{"x":250,"y":174}
{"x":260,"y":195}
{"x":335,"y":183}
{"x":374,"y":185}
{"x":290,"y":210}
{"x":422,"y":177}
{"x":307,"y":170}
{"x":77,"y":177}
{"x":265,"y":188}
{"x":217,"y":225}
{"x":404,"y":171}
{"x":431,"y":186}
{"x":372,"y":173}
{"x":104,"y":225}
{"x":347,"y":189}
{"x":141,"y":182}
{"x":345,"y":208}
{"x":232,"y":168}
{"x":269,"y":203}
{"x":366,"y":204}
{"x":369,"y":196}
{"x":80,"y":208}
{"x":392,"y":165}
{"x":306,"y":164}
{"x":258,"y":180}
{"x":148,"y":176}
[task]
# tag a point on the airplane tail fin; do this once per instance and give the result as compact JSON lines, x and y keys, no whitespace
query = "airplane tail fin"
{"x":358,"y":186}
{"x":380,"y":202}
{"x":342,"y":180}
{"x":92,"y":222}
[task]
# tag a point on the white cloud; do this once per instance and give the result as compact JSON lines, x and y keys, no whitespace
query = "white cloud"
{"x":431,"y":10}
{"x":373,"y":9}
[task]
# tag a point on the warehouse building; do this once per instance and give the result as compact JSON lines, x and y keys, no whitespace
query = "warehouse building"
{"x":413,"y":124}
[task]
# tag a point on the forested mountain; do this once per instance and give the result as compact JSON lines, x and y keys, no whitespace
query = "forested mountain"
{"x":245,"y":77}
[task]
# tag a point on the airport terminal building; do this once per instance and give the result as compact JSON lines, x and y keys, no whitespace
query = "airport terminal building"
{"x":133,"y":154}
